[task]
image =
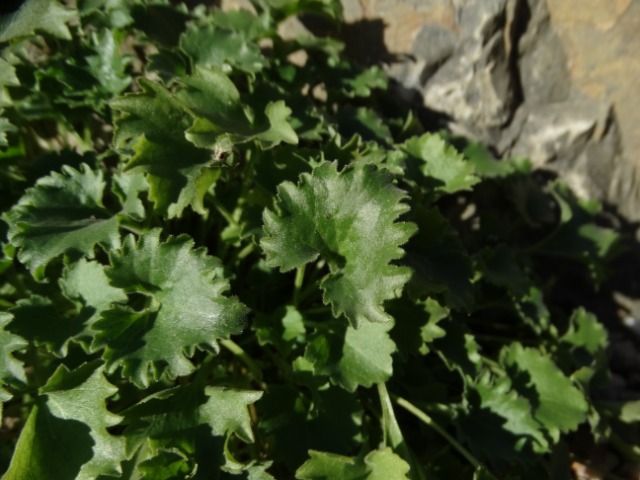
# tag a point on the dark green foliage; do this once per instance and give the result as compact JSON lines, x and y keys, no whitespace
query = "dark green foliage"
{"x":220,"y":264}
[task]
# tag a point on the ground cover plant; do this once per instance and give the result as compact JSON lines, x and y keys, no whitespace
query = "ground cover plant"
{"x":233,"y":254}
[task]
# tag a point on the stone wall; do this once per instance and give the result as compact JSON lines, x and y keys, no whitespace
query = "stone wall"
{"x":556,"y":81}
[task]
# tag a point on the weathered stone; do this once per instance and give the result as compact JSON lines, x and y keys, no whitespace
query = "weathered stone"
{"x":542,"y":63}
{"x":433,"y":45}
{"x":602,"y":41}
{"x":474,"y":86}
{"x":571,"y":138}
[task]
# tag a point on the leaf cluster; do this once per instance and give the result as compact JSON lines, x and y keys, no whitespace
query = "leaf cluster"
{"x":233,"y":254}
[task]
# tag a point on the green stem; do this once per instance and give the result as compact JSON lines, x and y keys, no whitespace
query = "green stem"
{"x":246,"y":251}
{"x":297,"y":286}
{"x":392,"y":435}
{"x":225,"y":213}
{"x":237,"y":350}
{"x":495,"y":366}
{"x":426,"y":419}
{"x":629,"y":452}
{"x":131,"y":228}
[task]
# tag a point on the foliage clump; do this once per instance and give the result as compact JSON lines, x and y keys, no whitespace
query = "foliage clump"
{"x":222,"y":261}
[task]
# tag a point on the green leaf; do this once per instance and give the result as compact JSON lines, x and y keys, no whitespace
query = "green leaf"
{"x":339,"y":216}
{"x":165,"y":466}
{"x":446,"y":171}
{"x":127,"y":186}
{"x":577,"y":236}
{"x":8,"y":78}
{"x":86,"y":283}
{"x":178,"y":173}
{"x":39,"y":321}
{"x":190,"y":420}
{"x":364,"y":122}
{"x":168,"y":64}
{"x":284,"y":8}
{"x":361,"y":85}
{"x":11,"y":369}
{"x":485,"y":164}
{"x":498,"y":422}
{"x":221,"y":119}
{"x":5,"y":127}
{"x":500,"y":267}
{"x":629,"y":412}
{"x":252,"y":471}
{"x":558,"y":405}
{"x":186,"y":307}
{"x":108,"y":65}
{"x":243,"y":22}
{"x":352,"y":357}
{"x":441,"y":264}
{"x":37,"y":15}
{"x":458,"y":348}
{"x":585,"y":331}
{"x":62,"y":213}
{"x":284,"y":328}
{"x":377,"y":465}
{"x":418,"y":325}
{"x":211,"y":46}
{"x":66,"y":435}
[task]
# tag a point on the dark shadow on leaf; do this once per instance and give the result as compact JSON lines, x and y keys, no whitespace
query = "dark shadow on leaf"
{"x":60,"y":446}
{"x":485,"y":432}
{"x":328,"y":422}
{"x":160,"y":22}
{"x":522,"y":383}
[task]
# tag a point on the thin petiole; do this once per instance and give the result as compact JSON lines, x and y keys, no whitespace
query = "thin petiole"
{"x":297,"y":286}
{"x":239,"y":352}
{"x":427,"y":420}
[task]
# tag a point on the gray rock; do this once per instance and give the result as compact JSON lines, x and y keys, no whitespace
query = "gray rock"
{"x":571,"y":138}
{"x":474,"y":86}
{"x":433,"y":45}
{"x":542,"y":63}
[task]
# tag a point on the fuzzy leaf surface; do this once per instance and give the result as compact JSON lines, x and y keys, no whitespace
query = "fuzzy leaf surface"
{"x":347,"y":218}
{"x":66,"y":435}
{"x":62,"y":213}
{"x":211,"y":46}
{"x":37,"y":15}
{"x":86,"y":283}
{"x":178,"y":173}
{"x":108,"y":64}
{"x":187,"y":307}
{"x":222,"y":120}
